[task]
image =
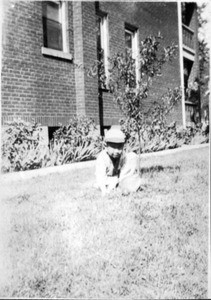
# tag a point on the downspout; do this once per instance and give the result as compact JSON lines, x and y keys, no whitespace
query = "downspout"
{"x":181,"y":61}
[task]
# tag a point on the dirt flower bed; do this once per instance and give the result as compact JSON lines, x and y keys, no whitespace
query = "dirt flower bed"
{"x":62,"y":239}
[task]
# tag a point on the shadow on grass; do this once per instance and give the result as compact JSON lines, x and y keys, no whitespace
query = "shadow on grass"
{"x":159,"y":168}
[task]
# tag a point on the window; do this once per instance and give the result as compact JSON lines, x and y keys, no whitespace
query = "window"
{"x":131,"y":44}
{"x":102,"y":40}
{"x":54,"y":25}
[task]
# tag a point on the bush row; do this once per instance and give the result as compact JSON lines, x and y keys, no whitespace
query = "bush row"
{"x":23,"y":147}
{"x":165,"y":136}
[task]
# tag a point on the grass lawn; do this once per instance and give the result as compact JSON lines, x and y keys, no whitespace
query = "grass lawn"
{"x":60,"y":238}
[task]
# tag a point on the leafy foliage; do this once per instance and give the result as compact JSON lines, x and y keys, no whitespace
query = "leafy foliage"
{"x":78,"y":141}
{"x":102,"y":80}
{"x":21,"y":146}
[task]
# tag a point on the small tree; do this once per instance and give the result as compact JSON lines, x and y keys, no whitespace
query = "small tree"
{"x":129,"y":93}
{"x":204,"y":58}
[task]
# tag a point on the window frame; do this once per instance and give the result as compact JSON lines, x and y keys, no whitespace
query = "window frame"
{"x":63,"y":19}
{"x":135,"y":48}
{"x":104,"y":39}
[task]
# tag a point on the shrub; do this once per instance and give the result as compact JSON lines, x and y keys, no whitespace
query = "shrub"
{"x":78,"y":141}
{"x":21,"y":146}
{"x":20,"y":141}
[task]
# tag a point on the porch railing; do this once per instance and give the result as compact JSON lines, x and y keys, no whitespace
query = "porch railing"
{"x":187,"y":36}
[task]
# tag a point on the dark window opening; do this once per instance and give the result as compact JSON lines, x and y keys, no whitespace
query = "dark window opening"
{"x":101,"y":49}
{"x":187,"y":12}
{"x":51,"y":130}
{"x":128,"y":40}
{"x":131,"y":52}
{"x":187,"y":70}
{"x":99,"y":46}
{"x":52,"y":27}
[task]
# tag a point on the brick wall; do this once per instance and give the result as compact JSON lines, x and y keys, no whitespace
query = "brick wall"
{"x":79,"y":58}
{"x":90,"y":57}
{"x":52,"y":90}
{"x":33,"y":85}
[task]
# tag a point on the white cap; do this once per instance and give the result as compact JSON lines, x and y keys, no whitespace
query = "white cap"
{"x":115,"y":135}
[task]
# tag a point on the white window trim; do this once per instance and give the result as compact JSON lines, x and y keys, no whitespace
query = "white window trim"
{"x":56,"y":53}
{"x":64,"y":21}
{"x":105,"y":41}
{"x":135,"y":51}
{"x":188,"y":53}
{"x":63,"y":18}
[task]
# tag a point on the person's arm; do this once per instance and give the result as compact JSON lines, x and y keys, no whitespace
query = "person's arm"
{"x":101,"y":176}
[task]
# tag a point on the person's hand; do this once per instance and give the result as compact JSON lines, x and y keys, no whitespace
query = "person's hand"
{"x":113,"y":183}
{"x":103,"y":191}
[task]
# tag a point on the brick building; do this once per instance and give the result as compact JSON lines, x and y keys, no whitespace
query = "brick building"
{"x":48,"y":47}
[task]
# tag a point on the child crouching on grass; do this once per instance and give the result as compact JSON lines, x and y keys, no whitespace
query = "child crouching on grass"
{"x":116,"y":168}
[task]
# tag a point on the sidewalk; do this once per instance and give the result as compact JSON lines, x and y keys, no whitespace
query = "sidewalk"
{"x":22,"y":175}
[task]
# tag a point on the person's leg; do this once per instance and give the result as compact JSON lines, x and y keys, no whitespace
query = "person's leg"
{"x":129,"y":179}
{"x":130,"y":166}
